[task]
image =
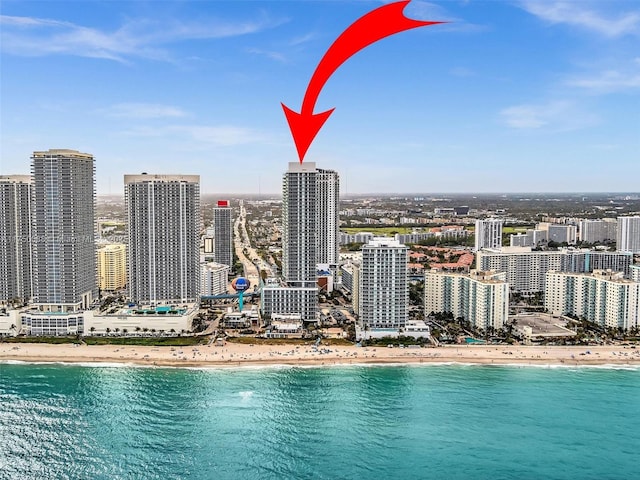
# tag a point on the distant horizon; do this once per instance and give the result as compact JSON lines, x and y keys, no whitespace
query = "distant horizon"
{"x":424,"y":194}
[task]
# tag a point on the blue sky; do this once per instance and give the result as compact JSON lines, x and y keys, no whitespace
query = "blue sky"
{"x":510,"y":96}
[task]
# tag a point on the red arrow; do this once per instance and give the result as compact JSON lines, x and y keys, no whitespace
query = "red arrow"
{"x":370,"y":28}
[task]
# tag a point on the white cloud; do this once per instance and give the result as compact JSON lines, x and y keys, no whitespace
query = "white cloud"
{"x":211,"y":135}
{"x":555,"y":116}
{"x":143,"y":110}
{"x":273,"y":55}
{"x":302,"y":39}
{"x":607,"y":81}
{"x":427,"y":11}
{"x":30,"y":36}
{"x":580,"y":15}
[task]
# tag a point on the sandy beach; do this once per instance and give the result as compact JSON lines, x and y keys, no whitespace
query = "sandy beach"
{"x":235,"y":355}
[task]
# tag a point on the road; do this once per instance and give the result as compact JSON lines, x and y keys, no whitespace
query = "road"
{"x":241,"y":242}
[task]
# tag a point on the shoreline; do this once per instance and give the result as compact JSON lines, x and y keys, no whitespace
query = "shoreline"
{"x":243,"y":355}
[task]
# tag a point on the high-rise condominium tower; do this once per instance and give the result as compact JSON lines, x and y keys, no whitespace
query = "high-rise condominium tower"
{"x":628,"y":239}
{"x":328,"y":225}
{"x":488,"y":233}
{"x":64,"y":252}
{"x":299,"y":225}
{"x":16,"y":196}
{"x":309,"y":237}
{"x":112,"y":267}
{"x":223,"y":233}
{"x":164,"y":237}
{"x":384,"y":295}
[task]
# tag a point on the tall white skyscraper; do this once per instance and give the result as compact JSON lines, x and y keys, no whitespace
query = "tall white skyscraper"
{"x":488,"y":233}
{"x":383,"y":285}
{"x":64,"y":251}
{"x":16,"y":198}
{"x":328,"y":225}
{"x":164,"y":244}
{"x":309,"y":236}
{"x":299,"y":225}
{"x":223,"y":233}
{"x":628,"y":238}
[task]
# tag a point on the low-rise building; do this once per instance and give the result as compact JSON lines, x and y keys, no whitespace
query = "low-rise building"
{"x":119,"y":320}
{"x":285,"y":326}
{"x":416,"y":329}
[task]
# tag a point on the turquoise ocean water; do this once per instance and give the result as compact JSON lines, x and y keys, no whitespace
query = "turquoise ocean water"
{"x":404,"y":422}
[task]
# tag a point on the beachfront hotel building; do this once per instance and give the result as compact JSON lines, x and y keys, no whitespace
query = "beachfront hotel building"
{"x":383,"y":297}
{"x":112,"y":266}
{"x":285,"y":300}
{"x":16,"y":204}
{"x":526,"y":269}
{"x":222,"y":233}
{"x":603,"y":297}
{"x":481,"y":298}
{"x":63,"y":243}
{"x":163,"y":213}
{"x":628,"y":237}
{"x":63,"y":230}
{"x":488,"y":233}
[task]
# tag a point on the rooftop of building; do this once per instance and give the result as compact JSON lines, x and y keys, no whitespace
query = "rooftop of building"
{"x":608,"y":275}
{"x":16,"y":178}
{"x":301,"y":167}
{"x":62,"y":152}
{"x":387,"y":242}
{"x":156,"y":310}
{"x":111,"y":247}
{"x":483,"y":276}
{"x":151,"y":177}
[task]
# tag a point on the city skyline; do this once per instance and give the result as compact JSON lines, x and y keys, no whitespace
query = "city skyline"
{"x":527,"y":94}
